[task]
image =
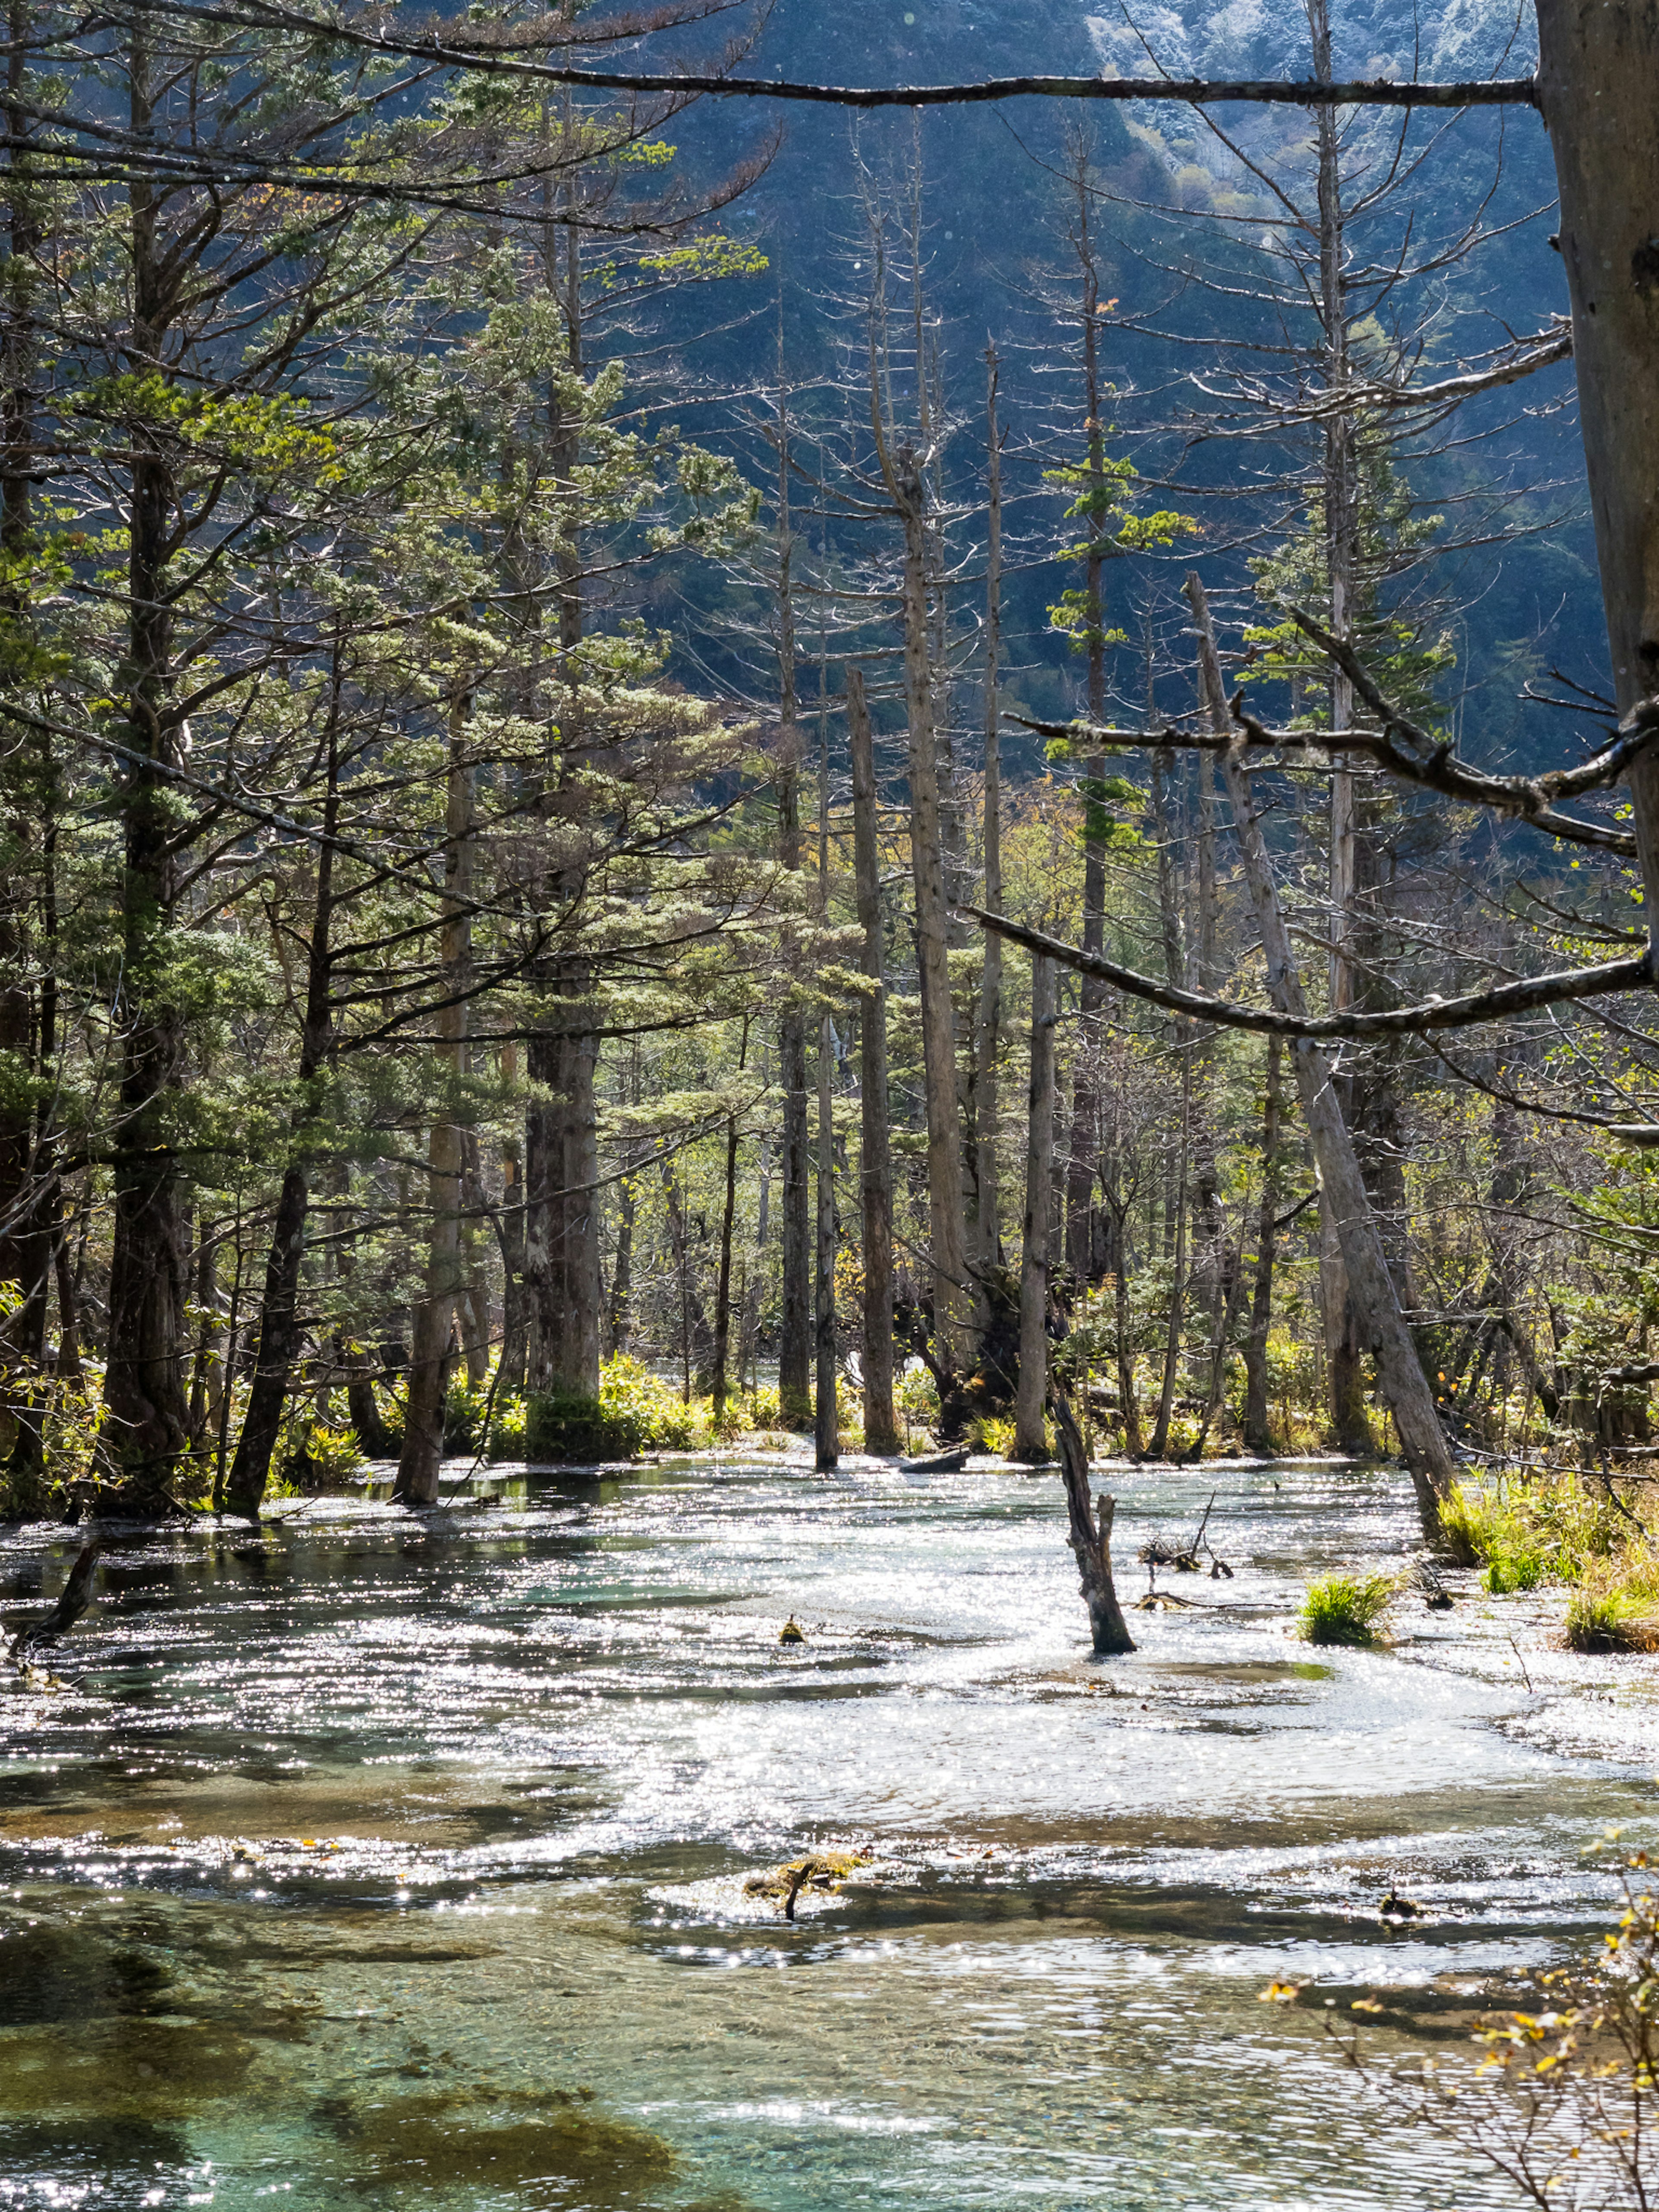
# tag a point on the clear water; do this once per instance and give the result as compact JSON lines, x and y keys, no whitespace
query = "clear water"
{"x":391,"y":1860}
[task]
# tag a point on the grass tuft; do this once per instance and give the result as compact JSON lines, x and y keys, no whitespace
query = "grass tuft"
{"x":1345,"y":1608}
{"x":1612,"y":1620}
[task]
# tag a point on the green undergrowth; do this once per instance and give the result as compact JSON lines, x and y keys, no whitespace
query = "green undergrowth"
{"x":635,"y":1412}
{"x":1345,"y":1608}
{"x":1531,"y":1529}
{"x":1526,"y":1530}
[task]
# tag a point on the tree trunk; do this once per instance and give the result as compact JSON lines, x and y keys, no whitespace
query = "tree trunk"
{"x":795,"y":1326}
{"x":987,"y":1242}
{"x":432,"y":1321}
{"x":1257,"y":1437}
{"x":825,"y":1426}
{"x":515,"y":1320}
{"x":1404,"y":1386}
{"x":1085,"y":1082}
{"x":1031,"y":1442}
{"x":147,"y":1426}
{"x":1159,"y":1446}
{"x":951,"y":1304}
{"x":1598,"y":81}
{"x":30,"y":1197}
{"x":1090,"y":1539}
{"x":279,"y":1313}
{"x":474,"y":1309}
{"x":723,"y":1281}
{"x":875,"y":1166}
{"x":563,"y":1286}
{"x":697,"y":1338}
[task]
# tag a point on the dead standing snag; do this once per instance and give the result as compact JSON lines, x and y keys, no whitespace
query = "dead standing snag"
{"x":1090,"y":1537}
{"x":73,"y":1600}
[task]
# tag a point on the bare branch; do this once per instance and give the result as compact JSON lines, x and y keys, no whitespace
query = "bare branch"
{"x":491,"y":54}
{"x":1505,"y":1000}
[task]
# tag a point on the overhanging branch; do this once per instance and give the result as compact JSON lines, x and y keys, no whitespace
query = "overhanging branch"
{"x":1525,"y":797}
{"x":1498,"y":1003}
{"x":497,"y":55}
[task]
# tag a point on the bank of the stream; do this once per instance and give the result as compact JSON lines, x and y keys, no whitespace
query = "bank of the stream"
{"x":378,"y":1858}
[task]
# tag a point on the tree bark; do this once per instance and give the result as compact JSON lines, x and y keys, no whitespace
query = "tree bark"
{"x":1399,"y":1372}
{"x":1030,"y":1441}
{"x":432,"y":1321}
{"x":563,"y":1285}
{"x":875,"y":1166}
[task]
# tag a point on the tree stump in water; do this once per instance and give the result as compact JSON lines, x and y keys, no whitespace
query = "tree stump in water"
{"x":1091,"y":1538}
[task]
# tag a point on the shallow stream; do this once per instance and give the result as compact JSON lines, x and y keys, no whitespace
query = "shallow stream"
{"x":385,"y":1859}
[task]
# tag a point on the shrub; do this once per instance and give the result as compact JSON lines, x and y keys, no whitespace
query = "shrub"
{"x":993,"y":1434}
{"x":465,"y":1407}
{"x":918,"y":1395}
{"x":313,"y":1456}
{"x":1345,"y":1608}
{"x":1507,"y":1570}
{"x":506,"y":1426}
{"x":635,"y":1412}
{"x":764,"y":1410}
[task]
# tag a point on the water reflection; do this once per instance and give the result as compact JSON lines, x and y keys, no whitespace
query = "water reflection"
{"x":386,"y":1858}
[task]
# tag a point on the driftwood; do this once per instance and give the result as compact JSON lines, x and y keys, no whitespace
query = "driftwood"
{"x":1090,"y":1537}
{"x":946,"y":1463}
{"x":1158,"y":1552}
{"x":73,"y":1600}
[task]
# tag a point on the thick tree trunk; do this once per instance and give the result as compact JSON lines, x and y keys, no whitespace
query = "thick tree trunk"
{"x":433,"y":1320}
{"x":28,"y":1181}
{"x":563,"y":1292}
{"x":1599,"y":87}
{"x":1031,"y":1442}
{"x":1090,"y":1523}
{"x":1257,"y":1437}
{"x":147,"y":1426}
{"x":1401,"y":1378}
{"x":875,"y":1166}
